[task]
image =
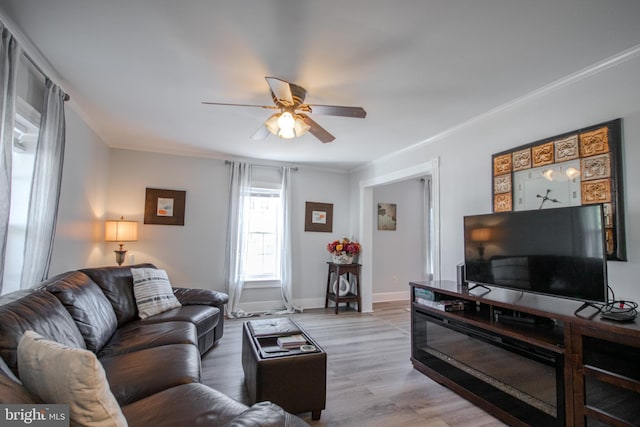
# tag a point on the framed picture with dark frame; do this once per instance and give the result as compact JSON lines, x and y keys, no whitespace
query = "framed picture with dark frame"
{"x":318,"y":217}
{"x":164,"y":207}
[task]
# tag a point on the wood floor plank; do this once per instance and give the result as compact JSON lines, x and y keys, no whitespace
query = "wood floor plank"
{"x":370,"y":379}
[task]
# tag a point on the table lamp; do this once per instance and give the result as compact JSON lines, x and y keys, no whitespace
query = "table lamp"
{"x":120,"y":231}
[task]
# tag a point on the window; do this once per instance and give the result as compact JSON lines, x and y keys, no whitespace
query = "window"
{"x":262,"y":260}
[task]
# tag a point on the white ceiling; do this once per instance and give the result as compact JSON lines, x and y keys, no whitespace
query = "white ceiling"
{"x":138,"y":70}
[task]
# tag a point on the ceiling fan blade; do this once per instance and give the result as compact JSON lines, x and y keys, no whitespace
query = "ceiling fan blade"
{"x":269,"y":107}
{"x":280,"y":90}
{"x":261,"y":133}
{"x":338,"y":110}
{"x":316,"y":130}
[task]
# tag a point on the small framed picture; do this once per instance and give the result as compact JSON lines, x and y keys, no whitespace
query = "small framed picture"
{"x":318,"y":217}
{"x":164,"y":206}
{"x":387,"y":216}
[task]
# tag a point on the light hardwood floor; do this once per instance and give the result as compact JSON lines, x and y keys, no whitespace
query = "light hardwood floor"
{"x":370,"y":379}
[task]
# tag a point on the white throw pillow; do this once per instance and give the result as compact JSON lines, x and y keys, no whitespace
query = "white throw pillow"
{"x":153,"y":292}
{"x":60,"y":374}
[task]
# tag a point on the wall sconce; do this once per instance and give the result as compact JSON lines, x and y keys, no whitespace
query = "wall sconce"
{"x":120,"y":231}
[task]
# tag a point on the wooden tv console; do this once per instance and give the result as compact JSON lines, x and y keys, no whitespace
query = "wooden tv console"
{"x":526,"y":358}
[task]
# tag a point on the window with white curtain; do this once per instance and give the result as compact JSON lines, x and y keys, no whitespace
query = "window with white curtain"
{"x":262,"y":262}
{"x":30,"y":94}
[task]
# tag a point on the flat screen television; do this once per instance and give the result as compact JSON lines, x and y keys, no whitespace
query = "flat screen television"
{"x":559,"y":252}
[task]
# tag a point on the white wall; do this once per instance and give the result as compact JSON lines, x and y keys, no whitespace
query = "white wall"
{"x":194,"y":254}
{"x":78,"y":240}
{"x":398,"y":255}
{"x":600,"y":94}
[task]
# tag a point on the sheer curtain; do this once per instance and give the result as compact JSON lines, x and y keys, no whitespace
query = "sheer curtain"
{"x":45,"y":188}
{"x":239,"y":196}
{"x":286,"y":280}
{"x":9,"y":54}
{"x":427,"y":231}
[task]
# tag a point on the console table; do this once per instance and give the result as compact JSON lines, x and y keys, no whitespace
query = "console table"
{"x":336,"y":271}
{"x":524,"y":358}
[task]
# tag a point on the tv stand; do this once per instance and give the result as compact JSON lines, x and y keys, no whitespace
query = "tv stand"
{"x":524,"y":358}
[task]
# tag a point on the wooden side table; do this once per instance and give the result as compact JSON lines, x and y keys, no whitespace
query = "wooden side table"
{"x":337,"y":270}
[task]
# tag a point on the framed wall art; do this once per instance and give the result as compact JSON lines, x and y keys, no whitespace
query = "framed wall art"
{"x":387,"y":216}
{"x":164,"y":206}
{"x":580,"y":167}
{"x":318,"y":217}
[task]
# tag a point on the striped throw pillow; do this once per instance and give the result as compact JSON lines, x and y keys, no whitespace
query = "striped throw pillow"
{"x":152,"y":290}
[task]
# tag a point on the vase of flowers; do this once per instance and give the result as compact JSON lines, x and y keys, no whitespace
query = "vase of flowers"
{"x":343,"y":251}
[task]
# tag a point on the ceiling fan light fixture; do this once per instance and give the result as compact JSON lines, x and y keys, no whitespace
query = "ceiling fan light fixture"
{"x":287,"y":125}
{"x":300,"y":127}
{"x":272,"y":124}
{"x":572,"y":173}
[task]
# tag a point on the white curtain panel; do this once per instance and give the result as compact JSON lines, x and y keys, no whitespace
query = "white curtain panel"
{"x":9,"y":54}
{"x":239,"y":196}
{"x":427,"y":228}
{"x":285,"y":244}
{"x":45,"y":189}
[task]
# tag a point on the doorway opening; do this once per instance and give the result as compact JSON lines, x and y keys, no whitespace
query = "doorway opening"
{"x":430,"y":169}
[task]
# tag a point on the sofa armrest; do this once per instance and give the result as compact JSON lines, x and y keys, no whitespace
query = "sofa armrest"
{"x":191,"y":296}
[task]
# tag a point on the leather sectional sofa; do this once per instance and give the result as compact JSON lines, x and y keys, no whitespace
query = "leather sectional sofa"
{"x":152,"y":365}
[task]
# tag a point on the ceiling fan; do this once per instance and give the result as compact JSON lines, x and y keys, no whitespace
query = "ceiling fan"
{"x":292,"y":121}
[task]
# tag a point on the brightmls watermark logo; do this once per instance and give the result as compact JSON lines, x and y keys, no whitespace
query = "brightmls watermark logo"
{"x":34,"y":415}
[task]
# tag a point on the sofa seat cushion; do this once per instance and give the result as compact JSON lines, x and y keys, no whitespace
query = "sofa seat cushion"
{"x":88,"y":306}
{"x":59,"y":374}
{"x":197,"y":403}
{"x":137,"y":336}
{"x":204,"y":317}
{"x":134,"y":376}
{"x":38,"y":311}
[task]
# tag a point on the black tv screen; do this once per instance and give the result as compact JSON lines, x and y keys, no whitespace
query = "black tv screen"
{"x":559,"y":252}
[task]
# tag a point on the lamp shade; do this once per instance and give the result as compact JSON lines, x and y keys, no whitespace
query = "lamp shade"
{"x":481,"y":234}
{"x":120,"y":230}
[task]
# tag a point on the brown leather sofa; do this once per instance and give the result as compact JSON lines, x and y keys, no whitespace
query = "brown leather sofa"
{"x":152,"y":365}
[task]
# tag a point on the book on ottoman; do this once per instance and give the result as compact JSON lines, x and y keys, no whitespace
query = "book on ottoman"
{"x":273,"y":327}
{"x":292,"y":341}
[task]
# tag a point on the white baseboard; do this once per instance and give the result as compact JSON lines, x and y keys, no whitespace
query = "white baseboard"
{"x":275,"y":305}
{"x":308,"y":303}
{"x":391,"y":296}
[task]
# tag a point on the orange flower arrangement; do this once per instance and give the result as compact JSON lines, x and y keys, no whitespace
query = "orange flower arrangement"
{"x":344,"y":246}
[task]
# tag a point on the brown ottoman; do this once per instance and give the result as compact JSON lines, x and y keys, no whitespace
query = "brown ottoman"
{"x":294,"y":378}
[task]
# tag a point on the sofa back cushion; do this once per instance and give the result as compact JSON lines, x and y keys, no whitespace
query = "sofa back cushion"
{"x":38,"y":311}
{"x":117,"y":285}
{"x":88,"y":306}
